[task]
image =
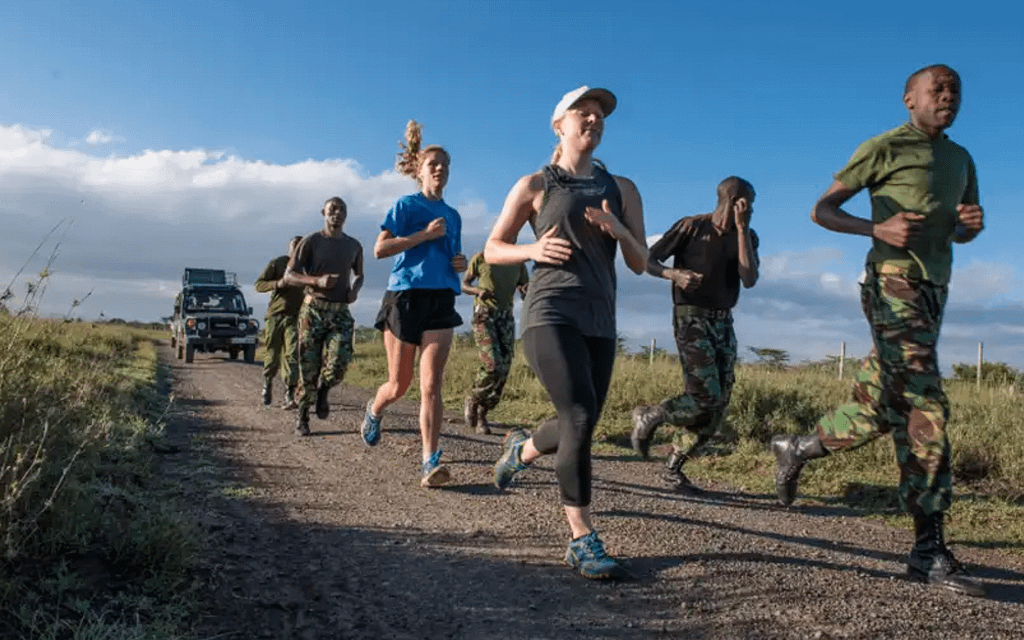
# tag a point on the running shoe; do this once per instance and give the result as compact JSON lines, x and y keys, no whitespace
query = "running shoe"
{"x":511,"y":461}
{"x":586,"y":554}
{"x":370,"y":429}
{"x":434,"y":473}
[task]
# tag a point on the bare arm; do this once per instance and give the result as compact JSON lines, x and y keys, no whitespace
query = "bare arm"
{"x":521,"y":203}
{"x":634,"y":244}
{"x":748,"y":266}
{"x":358,"y":278}
{"x":388,"y":244}
{"x":900,"y":230}
{"x":469,"y":279}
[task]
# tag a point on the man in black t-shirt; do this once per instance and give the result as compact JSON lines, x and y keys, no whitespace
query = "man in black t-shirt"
{"x":329,"y":264}
{"x":712,"y":254}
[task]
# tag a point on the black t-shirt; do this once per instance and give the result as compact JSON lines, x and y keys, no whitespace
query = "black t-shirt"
{"x":694,"y":243}
{"x":319,"y":254}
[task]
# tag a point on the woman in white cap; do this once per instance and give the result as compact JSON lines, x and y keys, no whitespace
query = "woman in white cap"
{"x":579,"y":214}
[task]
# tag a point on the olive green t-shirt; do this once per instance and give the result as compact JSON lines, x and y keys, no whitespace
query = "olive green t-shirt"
{"x":284,"y":301}
{"x":500,"y":279}
{"x":905,"y":170}
{"x":319,"y":254}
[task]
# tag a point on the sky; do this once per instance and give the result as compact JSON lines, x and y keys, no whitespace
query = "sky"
{"x":139,"y":138}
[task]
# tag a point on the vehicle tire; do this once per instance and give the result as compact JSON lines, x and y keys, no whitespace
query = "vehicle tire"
{"x":190,"y":352}
{"x":181,"y":350}
{"x":250,"y":354}
{"x":233,"y":354}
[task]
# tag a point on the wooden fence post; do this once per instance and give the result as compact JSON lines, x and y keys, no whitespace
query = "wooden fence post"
{"x":654,"y":344}
{"x":977,"y":379}
{"x":842,"y":358}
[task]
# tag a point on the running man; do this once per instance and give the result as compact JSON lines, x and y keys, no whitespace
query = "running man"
{"x":494,"y":329}
{"x":712,"y":254}
{"x":330,"y":265}
{"x":280,"y":332}
{"x":924,"y":197}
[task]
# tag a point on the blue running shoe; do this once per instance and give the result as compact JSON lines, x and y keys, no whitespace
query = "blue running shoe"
{"x":511,"y":461}
{"x":371,"y":427}
{"x":586,"y":554}
{"x":434,"y":473}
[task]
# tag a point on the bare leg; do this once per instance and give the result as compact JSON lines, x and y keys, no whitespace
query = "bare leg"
{"x":434,"y":351}
{"x":401,"y":360}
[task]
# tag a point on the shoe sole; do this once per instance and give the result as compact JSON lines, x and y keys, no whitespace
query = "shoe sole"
{"x":618,"y":573}
{"x":439,"y":476}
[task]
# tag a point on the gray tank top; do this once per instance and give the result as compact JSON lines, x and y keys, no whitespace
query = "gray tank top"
{"x":581,"y":292}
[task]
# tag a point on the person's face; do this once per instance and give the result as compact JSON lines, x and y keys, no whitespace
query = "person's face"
{"x":334,"y":214}
{"x":582,"y":125}
{"x":934,"y":100}
{"x":433,"y":173}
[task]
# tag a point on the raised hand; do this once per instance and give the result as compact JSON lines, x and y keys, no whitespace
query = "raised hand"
{"x":685,"y":279}
{"x":459,"y":262}
{"x":901,"y":230}
{"x":605,"y":220}
{"x":741,"y":213}
{"x":550,"y":249}
{"x":436,"y":229}
{"x":971,"y":217}
{"x":327,"y":281}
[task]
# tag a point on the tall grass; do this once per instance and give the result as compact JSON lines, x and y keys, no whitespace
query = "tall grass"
{"x":987,"y":426}
{"x":88,"y":548}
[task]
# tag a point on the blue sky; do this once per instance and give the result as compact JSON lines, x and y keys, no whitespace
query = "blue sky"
{"x":181,"y":132}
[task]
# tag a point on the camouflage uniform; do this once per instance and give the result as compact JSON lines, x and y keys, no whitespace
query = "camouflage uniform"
{"x":707,"y":352}
{"x":280,"y":339}
{"x":495,"y":333}
{"x":899,"y":389}
{"x":325,"y":347}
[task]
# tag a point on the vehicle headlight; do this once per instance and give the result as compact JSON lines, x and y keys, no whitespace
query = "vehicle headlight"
{"x":242,"y":324}
{"x":202,"y":325}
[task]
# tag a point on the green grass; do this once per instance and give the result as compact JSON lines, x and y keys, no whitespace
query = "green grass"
{"x":93,"y":546}
{"x":986,"y":429}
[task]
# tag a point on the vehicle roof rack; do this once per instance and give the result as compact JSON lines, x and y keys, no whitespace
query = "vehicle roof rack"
{"x":208,"y":277}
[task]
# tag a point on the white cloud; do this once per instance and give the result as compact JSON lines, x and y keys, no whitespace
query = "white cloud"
{"x":139,"y":219}
{"x":101,"y":136}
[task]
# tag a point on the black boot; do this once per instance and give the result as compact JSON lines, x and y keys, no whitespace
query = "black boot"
{"x":268,"y":384}
{"x":482,"y":426}
{"x":323,"y":407}
{"x":469,"y":408}
{"x":676,"y":478}
{"x":289,"y":399}
{"x":932,"y":562}
{"x":791,"y":454}
{"x":302,"y":423}
{"x":646,"y":419}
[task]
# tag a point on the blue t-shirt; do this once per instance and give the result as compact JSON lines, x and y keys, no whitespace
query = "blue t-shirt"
{"x":427,"y":265}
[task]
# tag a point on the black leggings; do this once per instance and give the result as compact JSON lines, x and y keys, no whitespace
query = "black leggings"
{"x":576,"y":371}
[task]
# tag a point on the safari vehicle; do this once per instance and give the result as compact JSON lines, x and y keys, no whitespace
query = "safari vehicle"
{"x":210,"y":315}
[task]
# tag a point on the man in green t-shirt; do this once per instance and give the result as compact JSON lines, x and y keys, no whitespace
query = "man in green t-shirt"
{"x":924,"y":197}
{"x":280,"y":328}
{"x":494,"y":329}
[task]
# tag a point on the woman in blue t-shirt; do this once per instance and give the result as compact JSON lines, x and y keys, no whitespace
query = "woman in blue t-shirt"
{"x":418,"y":310}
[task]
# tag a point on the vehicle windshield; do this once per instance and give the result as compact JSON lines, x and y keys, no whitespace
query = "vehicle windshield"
{"x":230,"y":301}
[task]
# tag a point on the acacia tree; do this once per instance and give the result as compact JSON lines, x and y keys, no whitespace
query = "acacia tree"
{"x":774,"y":358}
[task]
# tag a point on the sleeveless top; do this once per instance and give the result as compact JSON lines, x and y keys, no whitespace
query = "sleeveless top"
{"x":581,"y":292}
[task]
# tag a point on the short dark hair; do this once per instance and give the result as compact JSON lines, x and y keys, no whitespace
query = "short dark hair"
{"x":734,"y":187}
{"x":341,"y":203}
{"x":914,"y":77}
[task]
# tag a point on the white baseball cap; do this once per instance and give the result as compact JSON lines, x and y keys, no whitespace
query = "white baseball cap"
{"x":603,"y":96}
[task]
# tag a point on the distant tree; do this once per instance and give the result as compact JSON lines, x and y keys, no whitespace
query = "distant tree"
{"x":365,"y":334}
{"x":620,"y":345}
{"x":774,"y":358}
{"x":645,"y":352}
{"x":991,"y":372}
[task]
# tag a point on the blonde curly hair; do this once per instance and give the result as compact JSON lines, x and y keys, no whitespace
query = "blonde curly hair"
{"x":409,"y":159}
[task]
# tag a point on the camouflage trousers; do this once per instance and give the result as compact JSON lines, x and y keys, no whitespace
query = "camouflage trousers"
{"x":325,"y":347}
{"x":495,"y":333}
{"x":899,"y":390}
{"x":707,"y":352}
{"x":281,"y":342}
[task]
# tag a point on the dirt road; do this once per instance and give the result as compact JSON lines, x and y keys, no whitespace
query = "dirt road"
{"x":323,"y":537}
